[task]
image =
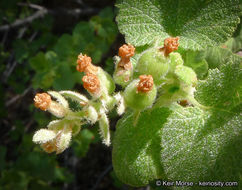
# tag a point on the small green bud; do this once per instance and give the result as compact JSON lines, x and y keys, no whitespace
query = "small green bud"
{"x":75,"y":96}
{"x":44,"y":135}
{"x":52,"y":140}
{"x":140,"y":93}
{"x":120,"y":103}
{"x":179,"y":86}
{"x":91,"y":114}
{"x":153,"y":62}
{"x":176,"y":59}
{"x":186,"y":75}
{"x":63,"y":139}
{"x":122,"y":77}
{"x":107,"y":83}
{"x":104,"y":128}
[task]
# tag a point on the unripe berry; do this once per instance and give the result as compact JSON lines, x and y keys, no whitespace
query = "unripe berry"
{"x":179,"y":86}
{"x":106,"y":80}
{"x":186,"y":75}
{"x":140,"y":93}
{"x":153,"y":62}
{"x":176,"y":59}
{"x":122,"y":77}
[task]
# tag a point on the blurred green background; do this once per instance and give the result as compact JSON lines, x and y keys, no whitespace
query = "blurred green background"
{"x":40,"y":42}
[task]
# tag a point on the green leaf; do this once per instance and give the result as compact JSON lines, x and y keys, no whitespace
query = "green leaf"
{"x":195,"y":144}
{"x":216,"y":56}
{"x":235,"y":43}
{"x":205,"y":145}
{"x":35,"y":164}
{"x":202,"y":145}
{"x":64,"y":78}
{"x":63,"y":175}
{"x":198,"y":23}
{"x":196,"y":60}
{"x":82,"y":142}
{"x":64,"y":48}
{"x":12,"y":179}
{"x":136,"y":149}
{"x":221,"y":85}
{"x":21,"y":50}
{"x":39,"y":62}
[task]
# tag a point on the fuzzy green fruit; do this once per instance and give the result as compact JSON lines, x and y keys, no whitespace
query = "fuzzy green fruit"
{"x":138,"y":100}
{"x":106,"y":80}
{"x":153,"y":62}
{"x":176,"y":60}
{"x":122,"y":79}
{"x":186,"y":75}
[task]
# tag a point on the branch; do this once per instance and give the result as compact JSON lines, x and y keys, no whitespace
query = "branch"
{"x":74,"y":12}
{"x":34,"y":6}
{"x":102,"y":175}
{"x":17,"y":97}
{"x":27,"y":20}
{"x":43,"y":11}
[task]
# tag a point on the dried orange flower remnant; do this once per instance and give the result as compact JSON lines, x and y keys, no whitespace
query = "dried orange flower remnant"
{"x":91,"y":83}
{"x":170,"y":45}
{"x":49,"y":147}
{"x":145,"y":84}
{"x":84,"y":64}
{"x":126,"y":51}
{"x":42,"y":101}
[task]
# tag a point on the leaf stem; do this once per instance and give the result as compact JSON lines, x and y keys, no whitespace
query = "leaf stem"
{"x":196,"y":103}
{"x":136,"y":117}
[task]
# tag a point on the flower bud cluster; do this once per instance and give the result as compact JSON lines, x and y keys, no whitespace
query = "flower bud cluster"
{"x":58,"y":135}
{"x":100,"y":86}
{"x":53,"y":140}
{"x":156,"y":68}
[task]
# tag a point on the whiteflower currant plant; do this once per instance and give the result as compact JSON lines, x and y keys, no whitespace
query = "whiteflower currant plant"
{"x":182,"y":120}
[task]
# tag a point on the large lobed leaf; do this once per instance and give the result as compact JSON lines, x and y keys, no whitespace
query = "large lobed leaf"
{"x":221,"y":85}
{"x":202,"y":146}
{"x":136,"y":149}
{"x":199,"y":23}
{"x":206,"y":145}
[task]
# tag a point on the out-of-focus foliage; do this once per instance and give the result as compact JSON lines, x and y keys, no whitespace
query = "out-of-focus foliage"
{"x":42,"y":59}
{"x":24,"y":166}
{"x":92,"y":38}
